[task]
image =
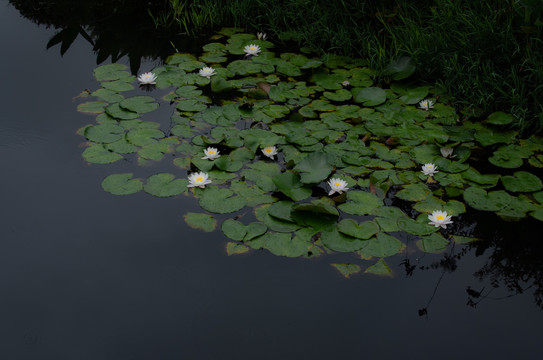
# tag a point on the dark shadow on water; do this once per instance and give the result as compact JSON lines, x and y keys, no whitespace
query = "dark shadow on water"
{"x":114,"y":28}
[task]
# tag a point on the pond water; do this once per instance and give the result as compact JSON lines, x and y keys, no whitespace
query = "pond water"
{"x":90,"y":275}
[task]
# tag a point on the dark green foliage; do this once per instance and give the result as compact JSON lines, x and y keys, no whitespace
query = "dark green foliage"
{"x":487,"y":54}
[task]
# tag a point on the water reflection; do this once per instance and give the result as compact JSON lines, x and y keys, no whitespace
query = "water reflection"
{"x":114,"y":28}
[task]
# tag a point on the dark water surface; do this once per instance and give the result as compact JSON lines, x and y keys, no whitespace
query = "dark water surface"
{"x":88,"y":275}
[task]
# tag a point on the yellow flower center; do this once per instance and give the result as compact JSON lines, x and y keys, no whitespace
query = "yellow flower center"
{"x":440,"y":217}
{"x":199,"y":179}
{"x":146,"y":77}
{"x":338,"y":184}
{"x":268,"y":150}
{"x":252,"y":48}
{"x":211,"y":151}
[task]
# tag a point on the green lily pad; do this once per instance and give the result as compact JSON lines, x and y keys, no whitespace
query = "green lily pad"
{"x":314,"y":168}
{"x":235,"y":230}
{"x":360,"y":203}
{"x":289,"y":184}
{"x":339,"y":95}
{"x":111,"y":72}
{"x":104,"y":133}
{"x":473,"y":176}
{"x":115,"y":111}
{"x":107,"y":95}
{"x":121,"y":184}
{"x":347,"y":269}
{"x":379,"y":268}
{"x":414,"y":192}
{"x":369,"y":96}
{"x":522,"y":181}
{"x":139,"y":104}
{"x":201,"y":221}
{"x":282,"y":244}
{"x":500,"y":118}
{"x":164,"y":185}
{"x":480,"y":200}
{"x":383,"y":245}
{"x":92,"y":107}
{"x":118,"y":85}
{"x":336,"y":241}
{"x":419,"y":226}
{"x":233,"y":248}
{"x":98,"y":154}
{"x":221,"y":201}
{"x":434,"y":243}
{"x":364,"y":231}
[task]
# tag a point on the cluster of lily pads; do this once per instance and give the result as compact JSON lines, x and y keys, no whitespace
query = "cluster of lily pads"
{"x":327,"y":160}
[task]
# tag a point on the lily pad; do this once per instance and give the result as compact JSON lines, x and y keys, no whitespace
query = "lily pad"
{"x":201,"y":221}
{"x":121,"y":184}
{"x":336,"y":241}
{"x":314,"y":168}
{"x":347,"y":270}
{"x":164,"y":185}
{"x":364,"y":231}
{"x":233,"y":248}
{"x":289,"y":184}
{"x":221,"y":201}
{"x":480,"y":200}
{"x":379,"y":268}
{"x":235,"y":230}
{"x":98,"y":154}
{"x":522,"y":181}
{"x":369,"y":96}
{"x":434,"y":243}
{"x":382,"y":245}
{"x":139,"y":104}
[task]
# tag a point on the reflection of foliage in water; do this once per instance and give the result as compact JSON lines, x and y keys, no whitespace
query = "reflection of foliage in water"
{"x":114,"y":28}
{"x":326,"y":118}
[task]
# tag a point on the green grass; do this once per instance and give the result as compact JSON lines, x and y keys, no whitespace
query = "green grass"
{"x":487,"y":54}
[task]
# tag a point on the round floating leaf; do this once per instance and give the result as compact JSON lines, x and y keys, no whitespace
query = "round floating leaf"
{"x":282,"y":210}
{"x":104,"y":133}
{"x":500,"y":118}
{"x":143,"y":136}
{"x":473,"y":176}
{"x":221,"y":201}
{"x":201,"y":221}
{"x":118,"y":85}
{"x":414,"y":95}
{"x":383,"y":245}
{"x":370,"y":96}
{"x":414,"y":192}
{"x":191,"y":105}
{"x":233,"y":248}
{"x":235,"y":230}
{"x":314,"y":168}
{"x":416,"y":227}
{"x":506,"y":157}
{"x":92,"y":107}
{"x":164,"y":185}
{"x":434,"y":243}
{"x":339,"y":95}
{"x":111,"y":72}
{"x":273,"y":223}
{"x":115,"y":111}
{"x":336,"y":241}
{"x":139,"y":104}
{"x":289,"y":184}
{"x":108,"y":95}
{"x":517,"y":208}
{"x":480,"y":200}
{"x":379,"y":268}
{"x":360,"y":203}
{"x":365,"y":230}
{"x":347,"y":269}
{"x":121,"y":184}
{"x":522,"y":181}
{"x":98,"y":154}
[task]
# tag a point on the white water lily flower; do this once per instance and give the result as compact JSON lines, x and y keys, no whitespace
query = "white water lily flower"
{"x":269,"y":151}
{"x":252,"y":49}
{"x":207,"y":72}
{"x":211,"y":153}
{"x":426,"y":104}
{"x":147,"y":78}
{"x":446,"y":152}
{"x":261,"y":36}
{"x":198,"y":179}
{"x":429,"y":169}
{"x":440,"y":218}
{"x":337,"y":185}
{"x":346,"y":83}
